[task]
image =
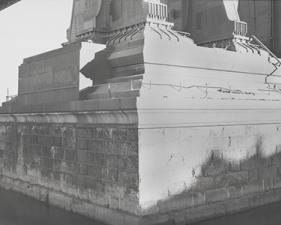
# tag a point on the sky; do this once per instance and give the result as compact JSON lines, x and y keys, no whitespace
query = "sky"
{"x":27,"y":28}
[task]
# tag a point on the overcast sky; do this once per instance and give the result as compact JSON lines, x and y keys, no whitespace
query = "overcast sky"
{"x":28,"y":28}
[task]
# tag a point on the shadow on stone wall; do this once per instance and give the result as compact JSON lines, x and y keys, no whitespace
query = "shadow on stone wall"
{"x":223,"y":187}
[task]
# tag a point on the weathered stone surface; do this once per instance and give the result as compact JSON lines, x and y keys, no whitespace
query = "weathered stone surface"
{"x":175,"y":203}
{"x":231,"y":179}
{"x":252,"y":189}
{"x":235,"y":192}
{"x":217,"y":195}
{"x":236,"y":205}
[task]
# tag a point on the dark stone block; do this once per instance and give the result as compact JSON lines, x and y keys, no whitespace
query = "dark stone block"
{"x":45,"y":151}
{"x":199,"y":199}
{"x":43,"y":130}
{"x":96,"y":171}
{"x":102,"y":133}
{"x":85,"y":182}
{"x":59,"y":153}
{"x":112,"y":160}
{"x":33,"y":149}
{"x":119,"y":134}
{"x":68,"y":132}
{"x":253,"y":175}
{"x":96,"y":145}
{"x":114,"y":190}
{"x":268,"y":172}
{"x":215,"y":168}
{"x":8,"y":146}
{"x":131,"y":193}
{"x":1,"y":154}
{"x":69,"y":154}
{"x":203,"y":184}
{"x":71,"y":167}
{"x":99,"y":159}
{"x":217,"y":195}
{"x":175,"y":203}
{"x":276,"y":159}
{"x":56,"y":141}
{"x":57,"y":164}
{"x":235,"y":192}
{"x":126,"y":148}
{"x":47,"y":174}
{"x":55,"y":131}
{"x":45,"y":140}
{"x":251,"y":163}
{"x":113,"y":175}
{"x":26,"y":139}
{"x":132,"y":135}
{"x":83,"y":169}
{"x":132,"y":163}
{"x":82,"y":144}
{"x":110,"y":147}
{"x":10,"y":137}
{"x":98,"y":186}
{"x":46,"y":162}
{"x":128,"y":178}
{"x":83,"y":133}
{"x":34,"y":139}
{"x":231,"y":179}
{"x":68,"y":178}
{"x":69,"y":143}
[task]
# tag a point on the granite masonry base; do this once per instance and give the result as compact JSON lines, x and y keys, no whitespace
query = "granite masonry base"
{"x":110,"y":216}
{"x":105,"y":166}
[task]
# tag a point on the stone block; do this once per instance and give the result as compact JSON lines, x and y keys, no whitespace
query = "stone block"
{"x":252,"y":189}
{"x":219,"y":209}
{"x":83,"y":169}
{"x":56,"y":199}
{"x":200,"y":213}
{"x":199,"y":199}
{"x":175,"y":203}
{"x":110,"y":147}
{"x":203,"y":183}
{"x":114,"y":190}
{"x":128,"y":178}
{"x":113,"y":202}
{"x":215,"y":168}
{"x":33,"y":192}
{"x":83,"y":133}
{"x":96,"y":145}
{"x":268,"y":198}
{"x":234,"y":166}
{"x":231,"y":179}
{"x":112,"y":175}
{"x":46,"y":162}
{"x":253,"y":175}
{"x":132,"y":193}
{"x":251,"y":163}
{"x":69,"y":143}
{"x":68,"y":132}
{"x":96,"y":171}
{"x":119,"y":135}
{"x":276,"y":159}
{"x":126,"y":148}
{"x":268,"y":172}
{"x":68,"y":154}
{"x":59,"y":153}
{"x":276,"y":183}
{"x":254,"y":201}
{"x":129,"y":206}
{"x":55,"y":131}
{"x":98,"y":186}
{"x":82,"y":144}
{"x":217,"y":195}
{"x":236,"y":205}
{"x":234,"y":192}
{"x":112,"y":160}
{"x":268,"y":184}
{"x":84,"y":182}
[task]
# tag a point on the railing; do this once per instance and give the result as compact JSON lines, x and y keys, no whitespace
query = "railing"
{"x":240,"y":28}
{"x":157,"y":11}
